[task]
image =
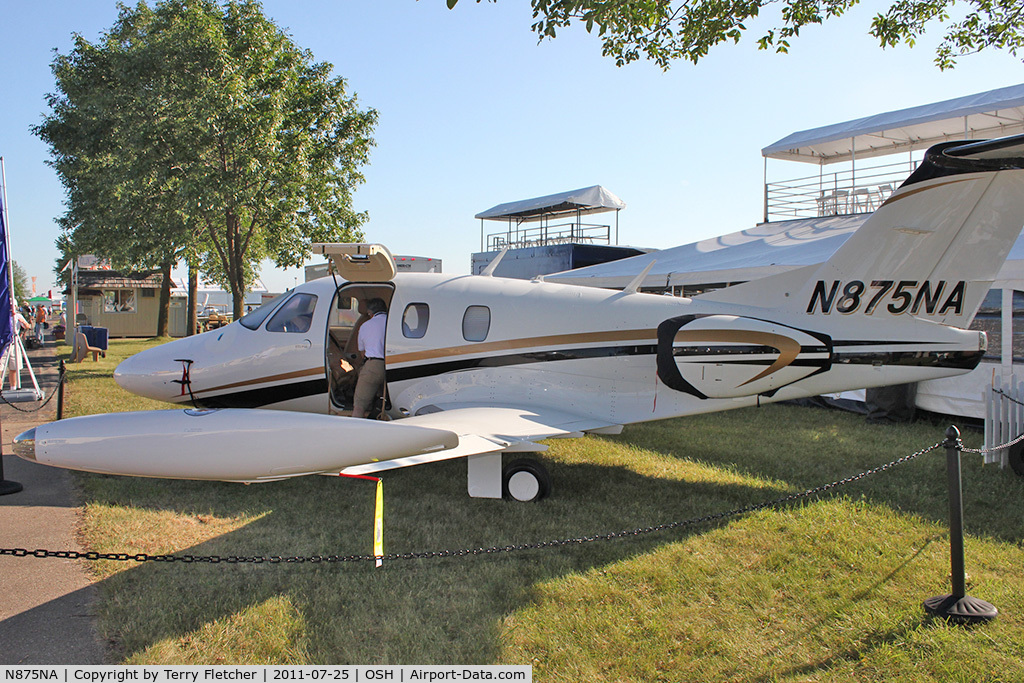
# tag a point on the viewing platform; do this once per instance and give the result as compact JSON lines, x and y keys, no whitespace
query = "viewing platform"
{"x":895,"y":141}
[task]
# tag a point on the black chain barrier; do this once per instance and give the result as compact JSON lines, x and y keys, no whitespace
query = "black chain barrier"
{"x":1009,"y":398}
{"x":466,"y":552}
{"x":986,"y":451}
{"x":60,"y":382}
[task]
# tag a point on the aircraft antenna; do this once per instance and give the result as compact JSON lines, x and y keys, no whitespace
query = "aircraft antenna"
{"x":489,"y":270}
{"x":633,"y":286}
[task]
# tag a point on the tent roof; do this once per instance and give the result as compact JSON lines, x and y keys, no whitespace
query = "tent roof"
{"x":763,"y":250}
{"x":594,"y":199}
{"x":985,"y":115}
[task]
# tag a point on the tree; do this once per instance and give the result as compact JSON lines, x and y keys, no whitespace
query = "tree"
{"x":667,"y":30}
{"x":202,"y":128}
{"x":21,"y":289}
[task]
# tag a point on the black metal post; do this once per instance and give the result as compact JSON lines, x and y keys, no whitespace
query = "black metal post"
{"x":957,"y":606}
{"x":6,"y":487}
{"x":60,"y":390}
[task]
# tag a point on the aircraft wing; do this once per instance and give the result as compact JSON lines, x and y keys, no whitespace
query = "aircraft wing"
{"x":488,"y":429}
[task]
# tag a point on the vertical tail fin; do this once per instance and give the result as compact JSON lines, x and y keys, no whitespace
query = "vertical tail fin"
{"x":931,"y":250}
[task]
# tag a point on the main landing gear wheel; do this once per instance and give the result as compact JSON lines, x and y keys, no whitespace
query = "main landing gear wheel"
{"x":525,"y":480}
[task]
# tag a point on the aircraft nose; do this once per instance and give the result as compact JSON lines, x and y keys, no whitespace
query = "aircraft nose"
{"x":25,"y":445}
{"x":150,"y":374}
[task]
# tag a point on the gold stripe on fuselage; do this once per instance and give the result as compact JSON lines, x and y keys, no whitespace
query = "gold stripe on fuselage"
{"x":535,"y":343}
{"x":308,"y":372}
{"x":540,"y":344}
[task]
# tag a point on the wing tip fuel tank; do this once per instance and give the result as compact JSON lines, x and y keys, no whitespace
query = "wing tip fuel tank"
{"x":223,"y":445}
{"x":25,"y":445}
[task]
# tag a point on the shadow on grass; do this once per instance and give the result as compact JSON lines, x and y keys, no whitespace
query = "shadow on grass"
{"x":444,"y":610}
{"x":449,"y":610}
{"x":897,"y":634}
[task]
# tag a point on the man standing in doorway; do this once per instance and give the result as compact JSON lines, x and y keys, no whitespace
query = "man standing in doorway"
{"x":371,"y":349}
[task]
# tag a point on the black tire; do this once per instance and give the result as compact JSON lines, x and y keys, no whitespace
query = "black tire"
{"x":525,"y":481}
{"x":1016,"y":458}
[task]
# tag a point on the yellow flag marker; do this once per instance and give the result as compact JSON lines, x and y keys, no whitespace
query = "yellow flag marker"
{"x":378,"y":524}
{"x":378,"y":517}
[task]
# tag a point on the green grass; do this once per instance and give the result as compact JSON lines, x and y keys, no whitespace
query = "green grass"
{"x":826,"y":589}
{"x":91,"y":388}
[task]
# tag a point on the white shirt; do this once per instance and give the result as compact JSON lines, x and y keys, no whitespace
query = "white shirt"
{"x":371,"y":336}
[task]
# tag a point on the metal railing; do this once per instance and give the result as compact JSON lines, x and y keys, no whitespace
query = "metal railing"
{"x":851,"y":191}
{"x":519,"y":237}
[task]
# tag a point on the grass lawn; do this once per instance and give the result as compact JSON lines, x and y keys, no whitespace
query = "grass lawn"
{"x":828,"y":589}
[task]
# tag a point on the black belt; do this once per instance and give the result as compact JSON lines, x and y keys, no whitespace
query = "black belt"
{"x":372,"y":358}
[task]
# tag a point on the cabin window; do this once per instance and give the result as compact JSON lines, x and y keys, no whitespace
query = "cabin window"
{"x":119,"y":301}
{"x":414,"y":320}
{"x":296,"y":315}
{"x":476,"y":322}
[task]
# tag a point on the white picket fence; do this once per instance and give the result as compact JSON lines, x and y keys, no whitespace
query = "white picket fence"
{"x":1004,"y":418}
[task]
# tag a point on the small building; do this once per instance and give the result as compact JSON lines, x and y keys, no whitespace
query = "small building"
{"x":128,"y":305}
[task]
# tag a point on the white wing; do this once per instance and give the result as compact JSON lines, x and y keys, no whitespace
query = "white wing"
{"x":488,"y":429}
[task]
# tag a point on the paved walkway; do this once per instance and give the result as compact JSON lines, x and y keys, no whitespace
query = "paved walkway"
{"x":46,"y":605}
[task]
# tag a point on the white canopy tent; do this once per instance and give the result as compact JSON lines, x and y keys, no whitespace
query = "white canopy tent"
{"x":763,"y":250}
{"x":985,"y":115}
{"x":594,"y":199}
{"x":571,"y":205}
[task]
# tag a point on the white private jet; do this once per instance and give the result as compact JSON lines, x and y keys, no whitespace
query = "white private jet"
{"x":480,"y":366}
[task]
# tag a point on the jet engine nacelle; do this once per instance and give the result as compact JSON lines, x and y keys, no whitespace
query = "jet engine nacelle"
{"x":224,"y":445}
{"x":724,"y":356}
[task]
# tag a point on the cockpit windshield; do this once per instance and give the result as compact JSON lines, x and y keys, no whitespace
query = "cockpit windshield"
{"x":254,"y":319}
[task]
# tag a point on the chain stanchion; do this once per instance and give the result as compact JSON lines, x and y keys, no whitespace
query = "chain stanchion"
{"x":7,"y":487}
{"x":60,"y":390}
{"x":56,"y":390}
{"x":957,"y":606}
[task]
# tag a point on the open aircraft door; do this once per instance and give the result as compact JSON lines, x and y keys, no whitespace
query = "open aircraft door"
{"x":362,"y":272}
{"x":359,"y":262}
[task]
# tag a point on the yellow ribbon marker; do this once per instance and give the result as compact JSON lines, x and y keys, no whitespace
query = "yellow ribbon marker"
{"x":378,"y":517}
{"x":378,"y":524}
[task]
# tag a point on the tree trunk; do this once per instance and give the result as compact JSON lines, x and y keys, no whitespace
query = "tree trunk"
{"x":165,"y":300}
{"x":193,"y":290}
{"x":236,"y":265}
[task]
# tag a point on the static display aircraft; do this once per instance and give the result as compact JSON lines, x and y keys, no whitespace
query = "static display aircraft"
{"x":481,"y":366}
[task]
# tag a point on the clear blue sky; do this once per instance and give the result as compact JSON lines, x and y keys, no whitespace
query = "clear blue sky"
{"x":474,"y":112}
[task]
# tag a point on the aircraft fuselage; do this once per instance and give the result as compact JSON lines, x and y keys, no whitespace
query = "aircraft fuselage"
{"x":622,"y":357}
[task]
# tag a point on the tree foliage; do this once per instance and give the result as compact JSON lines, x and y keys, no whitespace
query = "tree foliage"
{"x":20,"y":277}
{"x":200,"y":128}
{"x":667,"y":30}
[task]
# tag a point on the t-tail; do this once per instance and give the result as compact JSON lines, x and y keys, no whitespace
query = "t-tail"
{"x":931,"y":251}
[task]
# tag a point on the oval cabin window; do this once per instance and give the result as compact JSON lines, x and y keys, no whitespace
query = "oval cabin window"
{"x":476,"y":323}
{"x":414,"y":320}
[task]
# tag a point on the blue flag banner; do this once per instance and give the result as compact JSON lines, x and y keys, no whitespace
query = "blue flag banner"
{"x":6,"y":295}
